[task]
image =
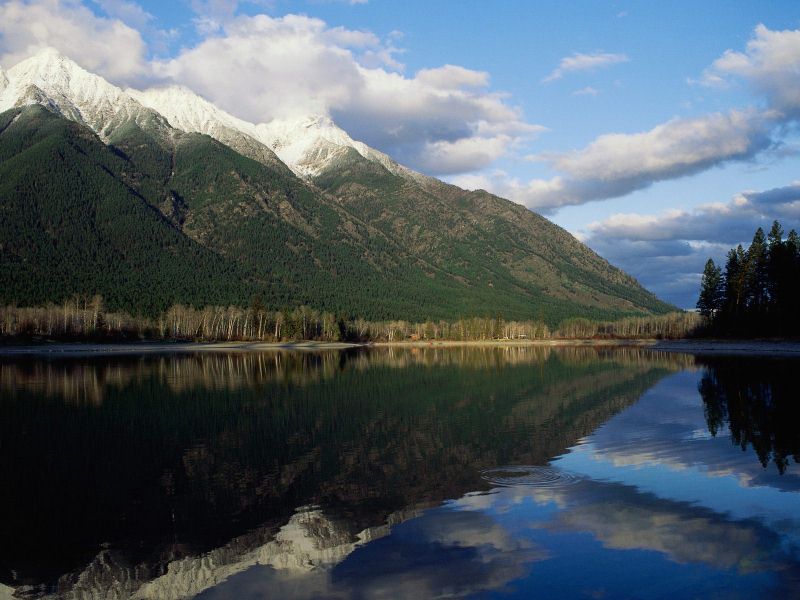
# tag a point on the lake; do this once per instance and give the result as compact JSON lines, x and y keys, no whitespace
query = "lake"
{"x":400,"y":473}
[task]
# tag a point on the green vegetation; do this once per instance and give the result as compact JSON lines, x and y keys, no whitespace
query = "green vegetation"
{"x":156,"y":218}
{"x":69,"y":224}
{"x":756,"y":294}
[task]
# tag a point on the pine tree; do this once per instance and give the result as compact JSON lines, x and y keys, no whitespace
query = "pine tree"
{"x":757,"y":277}
{"x":711,"y":290}
{"x":778,"y":269}
{"x":793,"y":242}
{"x":735,"y":272}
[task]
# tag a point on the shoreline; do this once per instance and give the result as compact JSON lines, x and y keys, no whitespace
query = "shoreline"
{"x":586,"y":342}
{"x":714,"y":347}
{"x":57,"y":349}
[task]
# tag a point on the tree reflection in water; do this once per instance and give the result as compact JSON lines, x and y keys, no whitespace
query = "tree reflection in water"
{"x":758,"y":401}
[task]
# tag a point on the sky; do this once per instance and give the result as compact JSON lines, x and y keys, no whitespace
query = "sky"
{"x":660,"y":134}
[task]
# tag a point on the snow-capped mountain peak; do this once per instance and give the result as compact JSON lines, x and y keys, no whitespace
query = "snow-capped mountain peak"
{"x":3,"y":80}
{"x":306,"y":144}
{"x":311,"y":144}
{"x":54,"y":80}
{"x":188,"y":111}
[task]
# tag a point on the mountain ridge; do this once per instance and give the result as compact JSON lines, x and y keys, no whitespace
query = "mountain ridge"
{"x":304,"y":214}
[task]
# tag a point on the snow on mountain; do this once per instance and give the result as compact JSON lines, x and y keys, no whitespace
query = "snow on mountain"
{"x":53,"y":80}
{"x":189,"y":112}
{"x":308,"y":145}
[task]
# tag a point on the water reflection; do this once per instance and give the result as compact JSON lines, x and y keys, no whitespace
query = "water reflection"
{"x":390,"y":473}
{"x":757,"y":402}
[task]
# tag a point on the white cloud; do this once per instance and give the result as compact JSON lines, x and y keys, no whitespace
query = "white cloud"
{"x":585,"y":62}
{"x":587,"y":91}
{"x":668,"y":149}
{"x":261,"y":67}
{"x":453,"y":77}
{"x":106,"y":46}
{"x":498,"y":182}
{"x":464,"y":154}
{"x":440,"y":120}
{"x":770,"y":64}
{"x":616,"y":164}
{"x":716,"y":223}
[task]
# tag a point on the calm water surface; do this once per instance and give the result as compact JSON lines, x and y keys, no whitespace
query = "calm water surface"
{"x":491,"y":473}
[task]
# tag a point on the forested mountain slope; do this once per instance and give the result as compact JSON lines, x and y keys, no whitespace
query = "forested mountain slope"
{"x":101,"y":193}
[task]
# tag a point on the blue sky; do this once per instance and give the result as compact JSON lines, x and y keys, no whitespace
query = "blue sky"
{"x":650,"y":130}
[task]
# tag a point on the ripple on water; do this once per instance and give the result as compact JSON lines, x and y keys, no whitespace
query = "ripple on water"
{"x":529,"y":476}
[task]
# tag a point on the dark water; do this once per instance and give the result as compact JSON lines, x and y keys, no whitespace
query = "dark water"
{"x":505,"y":472}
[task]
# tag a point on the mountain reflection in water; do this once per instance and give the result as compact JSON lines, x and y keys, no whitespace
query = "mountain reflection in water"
{"x":374,"y":474}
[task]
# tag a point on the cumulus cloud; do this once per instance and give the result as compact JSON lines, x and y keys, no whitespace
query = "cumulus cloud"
{"x":453,"y":77}
{"x":441,"y":120}
{"x":614,"y":165}
{"x":617,"y":164}
{"x":461,"y":155}
{"x":728,"y":223}
{"x":670,"y":149}
{"x":500,"y":183}
{"x":667,"y":251}
{"x":585,"y":62}
{"x":770,"y":64}
{"x":106,"y":46}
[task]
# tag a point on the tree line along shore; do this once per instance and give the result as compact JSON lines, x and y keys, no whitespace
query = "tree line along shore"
{"x":84,"y":319}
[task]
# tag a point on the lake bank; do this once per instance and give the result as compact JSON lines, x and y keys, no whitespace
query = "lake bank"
{"x":762,"y":348}
{"x":514,"y":343}
{"x":56,"y":349}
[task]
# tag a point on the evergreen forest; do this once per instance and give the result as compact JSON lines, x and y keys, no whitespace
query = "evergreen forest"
{"x":756,"y":293}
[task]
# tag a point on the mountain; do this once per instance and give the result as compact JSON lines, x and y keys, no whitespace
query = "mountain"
{"x":57,"y":83}
{"x":307,"y":145}
{"x":189,"y":112}
{"x":123,"y":192}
